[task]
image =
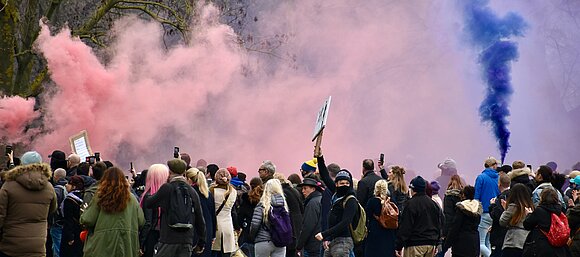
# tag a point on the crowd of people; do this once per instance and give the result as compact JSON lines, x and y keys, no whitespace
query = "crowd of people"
{"x":71,"y":208}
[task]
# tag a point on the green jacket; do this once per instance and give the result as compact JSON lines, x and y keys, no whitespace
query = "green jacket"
{"x":112,"y":234}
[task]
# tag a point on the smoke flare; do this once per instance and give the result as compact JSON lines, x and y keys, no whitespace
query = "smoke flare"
{"x":490,"y":33}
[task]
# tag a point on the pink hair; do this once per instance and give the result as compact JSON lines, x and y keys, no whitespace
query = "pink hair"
{"x":156,"y":176}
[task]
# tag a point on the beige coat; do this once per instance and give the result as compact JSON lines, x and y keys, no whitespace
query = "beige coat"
{"x":225,"y":226}
{"x":26,"y":199}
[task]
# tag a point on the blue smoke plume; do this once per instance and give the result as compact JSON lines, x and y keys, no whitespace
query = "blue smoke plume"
{"x":491,"y":35}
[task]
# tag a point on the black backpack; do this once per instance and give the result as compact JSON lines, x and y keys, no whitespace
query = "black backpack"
{"x":180,"y":215}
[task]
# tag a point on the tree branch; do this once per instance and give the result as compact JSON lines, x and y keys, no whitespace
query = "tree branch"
{"x":154,"y":16}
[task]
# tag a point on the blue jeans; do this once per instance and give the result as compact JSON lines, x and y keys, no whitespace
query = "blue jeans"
{"x":484,"y":225}
{"x":56,"y":235}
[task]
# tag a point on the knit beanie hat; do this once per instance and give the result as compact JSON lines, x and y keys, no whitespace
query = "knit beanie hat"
{"x":343,"y":175}
{"x":435,"y":187}
{"x":233,"y":171}
{"x":552,"y":165}
{"x":31,"y":157}
{"x":418,"y":184}
{"x":177,"y":166}
{"x":310,"y":165}
{"x":222,"y":176}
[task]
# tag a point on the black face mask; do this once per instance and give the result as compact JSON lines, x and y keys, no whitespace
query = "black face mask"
{"x":342,"y":190}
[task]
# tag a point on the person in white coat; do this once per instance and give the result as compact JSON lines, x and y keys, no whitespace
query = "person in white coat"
{"x":225,"y":198}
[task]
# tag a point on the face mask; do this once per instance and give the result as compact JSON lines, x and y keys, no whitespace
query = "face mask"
{"x":342,"y":190}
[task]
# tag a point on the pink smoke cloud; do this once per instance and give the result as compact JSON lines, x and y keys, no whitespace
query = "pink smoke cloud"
{"x":401,"y":83}
{"x":15,"y":114}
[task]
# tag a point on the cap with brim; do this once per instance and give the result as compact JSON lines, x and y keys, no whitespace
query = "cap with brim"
{"x":311,"y":182}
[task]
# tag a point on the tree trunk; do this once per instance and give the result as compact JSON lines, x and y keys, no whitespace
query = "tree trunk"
{"x":8,"y":19}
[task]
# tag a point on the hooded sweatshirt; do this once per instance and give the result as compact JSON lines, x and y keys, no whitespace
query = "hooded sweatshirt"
{"x":26,"y":199}
{"x":486,"y":187}
{"x":259,"y":229}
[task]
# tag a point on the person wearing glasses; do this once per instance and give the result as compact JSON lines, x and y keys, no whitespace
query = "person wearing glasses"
{"x":266,"y":171}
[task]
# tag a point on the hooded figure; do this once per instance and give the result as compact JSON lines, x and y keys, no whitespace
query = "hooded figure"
{"x":58,"y":160}
{"x":448,"y":168}
{"x":26,"y":199}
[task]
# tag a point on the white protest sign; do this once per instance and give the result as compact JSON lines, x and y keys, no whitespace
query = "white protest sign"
{"x":80,"y":145}
{"x":321,"y":118}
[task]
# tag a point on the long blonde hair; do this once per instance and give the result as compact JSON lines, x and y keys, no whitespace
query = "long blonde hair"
{"x":199,"y":179}
{"x":398,"y":180}
{"x":271,"y":188}
{"x":382,"y":189}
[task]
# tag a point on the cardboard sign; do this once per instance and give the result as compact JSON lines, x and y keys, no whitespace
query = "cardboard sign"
{"x":80,"y":145}
{"x":321,"y":118}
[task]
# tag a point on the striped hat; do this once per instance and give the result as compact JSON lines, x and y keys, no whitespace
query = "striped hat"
{"x":309,"y":166}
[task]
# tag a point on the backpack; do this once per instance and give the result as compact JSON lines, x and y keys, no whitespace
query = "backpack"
{"x":559,"y":230}
{"x":389,"y":217}
{"x":360,"y":232}
{"x":180,"y":213}
{"x":61,"y":194}
{"x":280,"y":226}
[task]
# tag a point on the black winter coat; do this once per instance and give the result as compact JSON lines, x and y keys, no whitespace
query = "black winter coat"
{"x":452,"y":197}
{"x":497,"y":233}
{"x":463,"y":237}
{"x":208,"y":209}
{"x":151,"y":223}
{"x":380,"y":242}
{"x":167,"y":234}
{"x":71,"y":228}
{"x":311,"y":225}
{"x":420,"y":223}
{"x":296,"y":210}
{"x":399,"y":198}
{"x":366,"y":187}
{"x":245,"y":212}
{"x":525,"y":180}
{"x":574,"y":223}
{"x":536,"y":242}
{"x":329,"y":188}
{"x":341,"y":217}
